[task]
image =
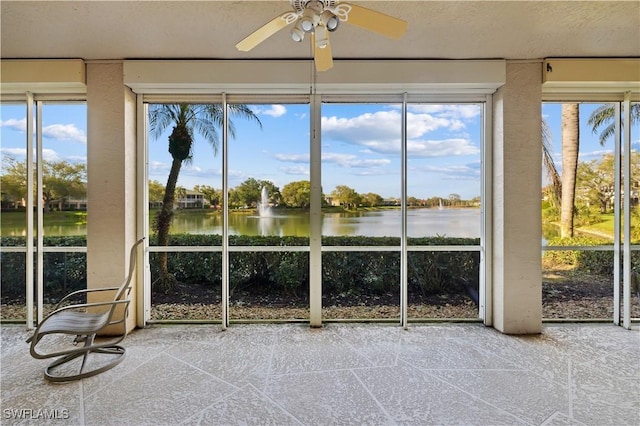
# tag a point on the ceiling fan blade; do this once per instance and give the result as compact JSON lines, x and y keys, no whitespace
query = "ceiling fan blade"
{"x":372,"y":20}
{"x":322,"y":56}
{"x":266,"y":31}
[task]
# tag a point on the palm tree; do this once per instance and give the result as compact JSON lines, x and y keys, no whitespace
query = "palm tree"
{"x":186,"y":120}
{"x":605,"y":115}
{"x":570,"y":145}
{"x":549,"y":164}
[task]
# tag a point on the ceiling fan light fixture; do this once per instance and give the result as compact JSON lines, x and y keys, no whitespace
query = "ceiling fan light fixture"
{"x":308,"y":20}
{"x":330,"y":20}
{"x":297,"y":34}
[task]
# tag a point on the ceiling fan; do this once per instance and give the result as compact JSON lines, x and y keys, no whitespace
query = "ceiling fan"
{"x":320,"y":17}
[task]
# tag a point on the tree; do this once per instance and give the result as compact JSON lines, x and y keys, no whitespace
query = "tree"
{"x":372,"y":199}
{"x":60,"y":181}
{"x":13,"y":180}
{"x":555,"y":186}
{"x":186,"y":120}
{"x":595,"y":181}
{"x":347,"y":197}
{"x":605,"y":116}
{"x":249,"y":192}
{"x":212,"y":195}
{"x":297,"y":194}
{"x":570,"y":145}
{"x":156,"y":191}
{"x":413,"y":201}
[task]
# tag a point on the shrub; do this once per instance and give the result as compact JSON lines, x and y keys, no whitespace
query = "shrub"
{"x":282,"y":273}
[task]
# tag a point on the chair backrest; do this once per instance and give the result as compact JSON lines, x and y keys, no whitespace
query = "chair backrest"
{"x":126,"y":284}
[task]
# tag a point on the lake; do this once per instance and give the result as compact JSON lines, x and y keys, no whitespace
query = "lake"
{"x":448,"y":222}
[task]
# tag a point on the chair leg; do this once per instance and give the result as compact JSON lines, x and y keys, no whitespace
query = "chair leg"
{"x":118,"y":353}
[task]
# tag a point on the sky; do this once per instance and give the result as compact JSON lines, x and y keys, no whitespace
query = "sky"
{"x":360,"y":146}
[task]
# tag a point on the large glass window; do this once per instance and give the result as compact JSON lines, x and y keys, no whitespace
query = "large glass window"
{"x":444,"y":151}
{"x":268,"y":211}
{"x":361,"y":220}
{"x":185,"y":210}
{"x":13,"y":220}
{"x":582,"y":203}
{"x":59,"y":162}
{"x":634,"y":206}
{"x":258,"y":244}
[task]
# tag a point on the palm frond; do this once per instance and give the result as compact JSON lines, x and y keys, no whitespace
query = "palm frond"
{"x":547,"y":161}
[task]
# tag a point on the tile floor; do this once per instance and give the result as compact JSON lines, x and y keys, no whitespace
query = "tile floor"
{"x":342,"y":374}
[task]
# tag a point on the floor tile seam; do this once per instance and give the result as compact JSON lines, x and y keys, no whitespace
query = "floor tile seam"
{"x":122,"y":376}
{"x":592,"y":397}
{"x":475,"y":397}
{"x":334,"y":370}
{"x":522,"y":368}
{"x":594,"y":364}
{"x":486,"y":351}
{"x":548,"y":421}
{"x":276,"y":403}
{"x":203,"y":371}
{"x":504,"y":370}
{"x":354,"y":349}
{"x":378,"y":403}
{"x":216,"y":401}
{"x":270,"y":365}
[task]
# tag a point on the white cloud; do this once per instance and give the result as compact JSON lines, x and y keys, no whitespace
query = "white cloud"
{"x":453,"y":111}
{"x":350,"y":160}
{"x":382,"y":125}
{"x":272,"y":110}
{"x":293,"y":158}
{"x":441,"y":148}
{"x":157,"y":166}
{"x":585,"y":156}
{"x":469,"y":171}
{"x":12,"y":123}
{"x":14,"y":152}
{"x":295,"y":170}
{"x":380,"y":132}
{"x":50,"y":155}
{"x":64,"y":132}
{"x":20,"y":153}
{"x":77,"y":159}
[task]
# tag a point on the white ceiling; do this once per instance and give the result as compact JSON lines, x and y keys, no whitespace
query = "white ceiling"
{"x":94,"y":30}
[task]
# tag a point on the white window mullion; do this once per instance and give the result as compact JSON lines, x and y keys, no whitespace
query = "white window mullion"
{"x":225,"y":213}
{"x":626,"y":260}
{"x":39,"y":212}
{"x":143,"y":294}
{"x":404,"y":285}
{"x":29,"y":217}
{"x":617,"y":253}
{"x":485,"y":294}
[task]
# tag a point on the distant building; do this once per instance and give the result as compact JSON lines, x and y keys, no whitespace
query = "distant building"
{"x":191,"y":200}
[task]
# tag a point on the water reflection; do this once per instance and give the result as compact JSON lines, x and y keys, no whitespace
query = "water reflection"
{"x":463,"y":223}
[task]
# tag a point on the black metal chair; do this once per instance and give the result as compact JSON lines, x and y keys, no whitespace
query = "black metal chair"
{"x":84,"y":321}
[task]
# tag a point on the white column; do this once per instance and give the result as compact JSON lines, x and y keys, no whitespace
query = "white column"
{"x":111,"y":170}
{"x":517,"y":175}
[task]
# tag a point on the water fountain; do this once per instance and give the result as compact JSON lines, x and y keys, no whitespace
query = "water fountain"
{"x":263,"y":205}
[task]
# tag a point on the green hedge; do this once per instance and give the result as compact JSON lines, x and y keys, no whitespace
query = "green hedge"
{"x":276,"y":273}
{"x":595,"y":262}
{"x":63,"y":272}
